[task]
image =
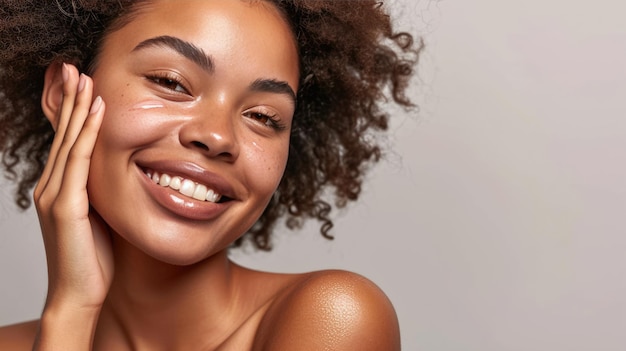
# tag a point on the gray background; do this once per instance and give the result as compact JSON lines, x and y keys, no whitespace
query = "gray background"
{"x":497,"y":221}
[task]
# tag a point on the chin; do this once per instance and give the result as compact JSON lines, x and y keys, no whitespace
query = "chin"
{"x":179,"y":256}
{"x":173,"y":248}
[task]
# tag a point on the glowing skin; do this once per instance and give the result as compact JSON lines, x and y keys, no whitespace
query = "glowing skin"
{"x":197,"y":104}
{"x":202,"y":120}
{"x":254,"y":143}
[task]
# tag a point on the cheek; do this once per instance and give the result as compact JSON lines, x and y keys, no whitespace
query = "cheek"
{"x":129,"y":120}
{"x":128,"y":126}
{"x":117,"y":124}
{"x":268,"y":161}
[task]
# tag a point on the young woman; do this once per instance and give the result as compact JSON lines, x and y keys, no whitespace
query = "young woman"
{"x":193,"y":125}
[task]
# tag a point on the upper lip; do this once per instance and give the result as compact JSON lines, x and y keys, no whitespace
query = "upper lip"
{"x":194,"y":172}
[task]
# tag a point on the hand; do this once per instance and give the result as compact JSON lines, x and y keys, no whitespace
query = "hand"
{"x":76,"y":239}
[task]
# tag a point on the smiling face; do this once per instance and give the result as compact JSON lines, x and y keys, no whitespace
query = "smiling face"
{"x":200,"y":100}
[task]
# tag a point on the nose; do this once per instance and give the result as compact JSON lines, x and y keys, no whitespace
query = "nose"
{"x":214,"y":134}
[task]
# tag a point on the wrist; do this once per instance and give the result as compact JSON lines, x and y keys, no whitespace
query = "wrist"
{"x":67,"y":327}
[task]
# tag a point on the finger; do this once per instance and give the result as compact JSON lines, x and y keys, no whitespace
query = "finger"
{"x":73,"y":189}
{"x":70,"y":85}
{"x":73,"y":84}
{"x":75,"y":123}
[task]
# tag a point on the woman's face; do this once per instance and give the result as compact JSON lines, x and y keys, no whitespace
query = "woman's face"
{"x":200,"y":98}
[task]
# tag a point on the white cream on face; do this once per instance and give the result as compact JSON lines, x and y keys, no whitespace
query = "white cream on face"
{"x":148,"y":105}
{"x":254,"y":143}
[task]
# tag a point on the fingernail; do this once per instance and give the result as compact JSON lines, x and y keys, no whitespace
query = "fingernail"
{"x":66,"y":73}
{"x":81,"y":82}
{"x":96,"y":105}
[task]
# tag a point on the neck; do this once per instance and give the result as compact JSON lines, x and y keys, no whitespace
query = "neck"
{"x":155,"y":305}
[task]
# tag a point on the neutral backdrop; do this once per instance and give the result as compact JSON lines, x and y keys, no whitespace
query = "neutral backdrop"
{"x":497,"y":220}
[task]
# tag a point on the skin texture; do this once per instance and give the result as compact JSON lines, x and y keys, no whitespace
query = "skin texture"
{"x":136,"y":266}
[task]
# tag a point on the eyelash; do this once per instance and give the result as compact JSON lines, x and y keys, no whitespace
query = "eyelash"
{"x":166,"y":80}
{"x":272,"y":121}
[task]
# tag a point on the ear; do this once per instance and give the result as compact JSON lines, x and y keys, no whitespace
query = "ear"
{"x":52,"y":95}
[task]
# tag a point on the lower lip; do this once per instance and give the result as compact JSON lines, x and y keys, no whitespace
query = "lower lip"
{"x":181,"y":205}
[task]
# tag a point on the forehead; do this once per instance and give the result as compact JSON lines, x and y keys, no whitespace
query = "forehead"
{"x":207,"y":18}
{"x":253,"y":30}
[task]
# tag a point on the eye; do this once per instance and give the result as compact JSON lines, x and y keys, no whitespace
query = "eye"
{"x":169,"y":82}
{"x":266,"y":119}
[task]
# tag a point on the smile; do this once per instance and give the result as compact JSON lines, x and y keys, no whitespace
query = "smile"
{"x":184,"y":186}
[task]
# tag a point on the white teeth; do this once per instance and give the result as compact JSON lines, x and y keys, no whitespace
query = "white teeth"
{"x":185,"y":186}
{"x":165,"y":180}
{"x":200,"y":192}
{"x":212,"y":196}
{"x":175,"y":183}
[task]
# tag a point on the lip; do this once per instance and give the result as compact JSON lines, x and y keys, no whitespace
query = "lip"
{"x":179,"y":204}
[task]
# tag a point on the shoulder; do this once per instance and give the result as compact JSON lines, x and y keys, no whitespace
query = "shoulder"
{"x":18,"y":336}
{"x":326,"y":310}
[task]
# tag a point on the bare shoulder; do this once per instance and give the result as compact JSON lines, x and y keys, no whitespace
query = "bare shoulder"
{"x":18,"y":337}
{"x":330,"y":310}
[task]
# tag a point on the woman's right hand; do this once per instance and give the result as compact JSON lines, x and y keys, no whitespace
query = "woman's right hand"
{"x":77,"y":241}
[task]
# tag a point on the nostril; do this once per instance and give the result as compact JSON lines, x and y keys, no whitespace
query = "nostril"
{"x":200,"y":145}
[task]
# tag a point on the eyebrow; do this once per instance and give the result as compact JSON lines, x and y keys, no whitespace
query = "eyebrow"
{"x":205,"y":61}
{"x":273,"y":86}
{"x":184,"y":48}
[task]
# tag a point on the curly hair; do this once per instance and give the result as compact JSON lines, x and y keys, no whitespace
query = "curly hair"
{"x":352,"y":62}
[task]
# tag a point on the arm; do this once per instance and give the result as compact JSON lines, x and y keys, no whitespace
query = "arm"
{"x":18,"y":337}
{"x":331,"y":310}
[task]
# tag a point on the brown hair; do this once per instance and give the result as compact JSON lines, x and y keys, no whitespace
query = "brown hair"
{"x":351,"y":59}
